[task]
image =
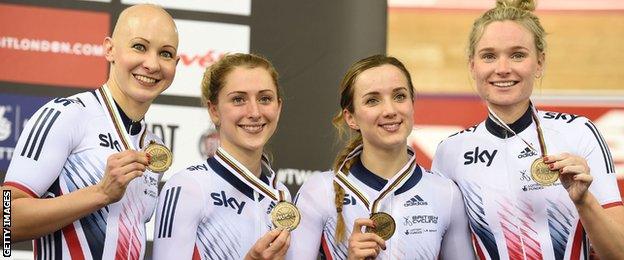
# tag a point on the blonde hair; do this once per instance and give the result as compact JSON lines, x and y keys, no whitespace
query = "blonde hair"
{"x":347,"y":88}
{"x":214,"y":76}
{"x":519,"y":11}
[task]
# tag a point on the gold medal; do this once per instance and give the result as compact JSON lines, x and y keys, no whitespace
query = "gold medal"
{"x":160,"y":157}
{"x":384,"y":225}
{"x":285,"y":215}
{"x":542,"y":174}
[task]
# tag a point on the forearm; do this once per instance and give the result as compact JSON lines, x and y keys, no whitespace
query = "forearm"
{"x":34,"y":217}
{"x":605,"y":233}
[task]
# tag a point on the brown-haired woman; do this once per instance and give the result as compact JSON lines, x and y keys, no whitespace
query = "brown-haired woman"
{"x":525,"y":174}
{"x":407,"y":212}
{"x":217,"y":209}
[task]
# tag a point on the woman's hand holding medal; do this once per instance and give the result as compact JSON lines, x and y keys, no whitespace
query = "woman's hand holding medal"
{"x":574,"y":174}
{"x":273,"y":245}
{"x":364,"y":245}
{"x":121,"y":168}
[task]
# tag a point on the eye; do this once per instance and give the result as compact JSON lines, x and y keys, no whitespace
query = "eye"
{"x":517,"y":56}
{"x":400,"y":97}
{"x":238,"y":100}
{"x":166,"y":54}
{"x":371,"y":101}
{"x":139,"y":47}
{"x":265,"y":100}
{"x":488,"y":57}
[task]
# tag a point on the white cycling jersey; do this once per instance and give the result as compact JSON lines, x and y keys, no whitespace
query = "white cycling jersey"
{"x":511,"y":216}
{"x":206,"y":212}
{"x":430,"y":219}
{"x":63,"y":148}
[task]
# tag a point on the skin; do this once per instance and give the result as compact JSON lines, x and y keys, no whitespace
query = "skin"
{"x":246,"y":113}
{"x":35,"y":217}
{"x":507,"y":53}
{"x":384,"y":115}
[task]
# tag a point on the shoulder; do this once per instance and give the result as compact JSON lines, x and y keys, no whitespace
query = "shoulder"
{"x":195,"y":174}
{"x":561,"y":120}
{"x":463,"y":134}
{"x":435,"y":179}
{"x":320,"y":183}
{"x":75,"y":105}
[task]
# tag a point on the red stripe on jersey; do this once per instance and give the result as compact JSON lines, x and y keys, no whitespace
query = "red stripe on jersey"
{"x":35,"y":246}
{"x":196,"y":253}
{"x":612,"y":204}
{"x":22,"y":188}
{"x":75,"y":251}
{"x":475,"y":245}
{"x":577,"y":242}
{"x":328,"y":254}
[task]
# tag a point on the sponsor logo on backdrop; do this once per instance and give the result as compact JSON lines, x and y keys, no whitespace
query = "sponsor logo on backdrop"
{"x":237,"y":7}
{"x":15,"y":110}
{"x":202,"y":44}
{"x":47,"y":46}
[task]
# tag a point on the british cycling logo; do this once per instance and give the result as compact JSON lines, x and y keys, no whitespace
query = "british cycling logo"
{"x":415,"y":201}
{"x":418,"y":220}
{"x":527,"y":152}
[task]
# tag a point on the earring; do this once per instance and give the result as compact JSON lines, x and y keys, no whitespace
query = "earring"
{"x":538,"y":75}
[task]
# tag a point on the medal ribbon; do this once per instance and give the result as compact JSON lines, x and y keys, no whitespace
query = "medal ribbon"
{"x":540,"y":135}
{"x":246,"y":176}
{"x":108,"y":104}
{"x":397,"y":181}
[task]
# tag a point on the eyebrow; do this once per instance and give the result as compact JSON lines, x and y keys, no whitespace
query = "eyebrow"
{"x":397,"y":89}
{"x":146,"y":40}
{"x":490,"y":49}
{"x":245,"y":93}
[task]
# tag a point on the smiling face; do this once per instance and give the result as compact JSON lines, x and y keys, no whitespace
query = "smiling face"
{"x":383,"y":110}
{"x":142,"y":53}
{"x":247,"y":110}
{"x":505,"y":65}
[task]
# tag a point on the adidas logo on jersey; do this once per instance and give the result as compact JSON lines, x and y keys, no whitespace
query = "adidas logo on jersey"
{"x":415,"y":201}
{"x":527,"y":152}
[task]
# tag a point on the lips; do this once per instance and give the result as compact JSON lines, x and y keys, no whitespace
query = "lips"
{"x":252,"y":128}
{"x":145,"y":79}
{"x":504,"y":84}
{"x":391,"y":126}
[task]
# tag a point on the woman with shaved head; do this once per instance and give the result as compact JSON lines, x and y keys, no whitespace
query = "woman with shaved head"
{"x":84,"y":180}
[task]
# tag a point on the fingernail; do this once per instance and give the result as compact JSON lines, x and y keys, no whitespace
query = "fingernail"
{"x":551,"y":166}
{"x":149,"y":157}
{"x":384,"y":248}
{"x":545,"y":158}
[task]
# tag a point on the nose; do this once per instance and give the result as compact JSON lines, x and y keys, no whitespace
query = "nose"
{"x":502,"y":67}
{"x":253,"y":110}
{"x":389,"y":109}
{"x":151,"y":62}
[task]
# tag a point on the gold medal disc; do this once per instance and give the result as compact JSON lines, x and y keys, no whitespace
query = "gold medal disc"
{"x":161,"y":157}
{"x":542,"y":174}
{"x":384,"y":225}
{"x":285,"y":215}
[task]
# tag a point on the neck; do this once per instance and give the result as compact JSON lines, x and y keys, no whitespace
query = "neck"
{"x":510,"y":114}
{"x":133,"y":109}
{"x":384,"y":163}
{"x":250,"y":159}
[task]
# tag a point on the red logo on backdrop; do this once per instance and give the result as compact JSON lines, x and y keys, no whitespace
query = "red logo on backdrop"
{"x":53,"y":46}
{"x":203,"y":60}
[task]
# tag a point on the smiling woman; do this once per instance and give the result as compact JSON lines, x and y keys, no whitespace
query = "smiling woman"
{"x":234,"y":195}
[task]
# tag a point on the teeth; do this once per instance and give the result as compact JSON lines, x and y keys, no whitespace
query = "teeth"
{"x":252,"y":128}
{"x":504,"y":84}
{"x":390,"y":127}
{"x":145,"y":79}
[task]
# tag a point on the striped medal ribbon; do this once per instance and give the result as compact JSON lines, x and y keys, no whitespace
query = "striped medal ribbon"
{"x":284,"y":215}
{"x":384,"y":223}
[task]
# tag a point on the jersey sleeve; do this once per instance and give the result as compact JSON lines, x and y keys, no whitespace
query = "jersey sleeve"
{"x":456,"y":243}
{"x":178,"y":216}
{"x":442,"y":160}
{"x":600,"y":162}
{"x":313,"y":200}
{"x":47,"y":140}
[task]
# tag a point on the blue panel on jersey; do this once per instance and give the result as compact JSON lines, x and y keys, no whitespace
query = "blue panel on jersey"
{"x":15,"y":110}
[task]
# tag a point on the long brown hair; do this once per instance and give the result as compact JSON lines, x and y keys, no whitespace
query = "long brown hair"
{"x":347,"y":88}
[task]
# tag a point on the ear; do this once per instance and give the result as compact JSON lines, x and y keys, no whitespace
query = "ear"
{"x":471,"y":67}
{"x":214,"y":113}
{"x":541,"y":60}
{"x":108,"y":49}
{"x":279,"y":108}
{"x":177,"y":60}
{"x":350,"y":120}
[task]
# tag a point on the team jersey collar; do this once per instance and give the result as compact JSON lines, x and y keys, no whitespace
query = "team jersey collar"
{"x":371,"y":179}
{"x":132,"y":127}
{"x":522,"y":123}
{"x":229,"y":177}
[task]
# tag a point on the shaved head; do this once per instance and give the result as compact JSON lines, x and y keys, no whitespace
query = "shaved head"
{"x":138,"y":16}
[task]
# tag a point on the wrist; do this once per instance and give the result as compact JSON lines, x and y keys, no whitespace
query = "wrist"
{"x":99,"y":196}
{"x":585,"y":201}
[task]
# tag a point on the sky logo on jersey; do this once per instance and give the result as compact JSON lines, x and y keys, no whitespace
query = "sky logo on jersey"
{"x":220,"y":199}
{"x":348,"y":200}
{"x":415,"y":201}
{"x":561,"y":116}
{"x":106,"y":140}
{"x":198,"y":167}
{"x":527,"y":152}
{"x":476,"y":156}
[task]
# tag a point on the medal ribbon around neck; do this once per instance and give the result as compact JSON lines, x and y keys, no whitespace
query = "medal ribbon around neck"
{"x":502,"y":124}
{"x":397,"y":181}
{"x":108,"y":104}
{"x":246,"y":176}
